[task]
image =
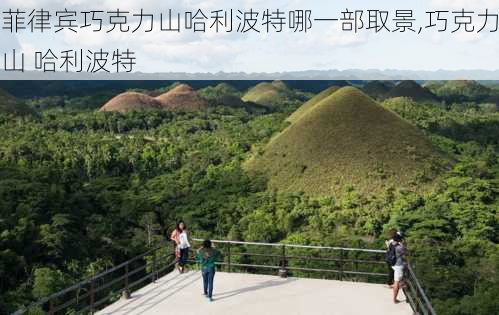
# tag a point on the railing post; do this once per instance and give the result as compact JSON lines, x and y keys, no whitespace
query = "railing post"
{"x":92,"y":295}
{"x":283,"y":272}
{"x":154,"y":275}
{"x":51,"y":307}
{"x":126,"y":292}
{"x":341,"y":265}
{"x":356,"y":261}
{"x":228,"y":256}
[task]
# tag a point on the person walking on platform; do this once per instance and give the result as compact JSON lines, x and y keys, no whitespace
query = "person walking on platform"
{"x":207,"y":257}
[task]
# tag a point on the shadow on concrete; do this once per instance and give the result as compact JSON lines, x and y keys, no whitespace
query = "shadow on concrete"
{"x":256,"y":287}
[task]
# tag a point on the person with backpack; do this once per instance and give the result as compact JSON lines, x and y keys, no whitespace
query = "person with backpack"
{"x":207,"y":257}
{"x":396,"y":258}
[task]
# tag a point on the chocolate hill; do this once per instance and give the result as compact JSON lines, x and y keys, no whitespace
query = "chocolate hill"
{"x":267,"y":94}
{"x":347,"y":139}
{"x":311,"y":103}
{"x":182,"y":97}
{"x":413,"y":90}
{"x":130,"y":101}
{"x":378,"y":89}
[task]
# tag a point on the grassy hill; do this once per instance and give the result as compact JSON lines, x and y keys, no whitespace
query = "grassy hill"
{"x":413,"y":90}
{"x":347,"y":139}
{"x":378,"y":89}
{"x":130,"y":101}
{"x":182,"y":97}
{"x":267,"y":93}
{"x":11,"y":106}
{"x":311,"y":103}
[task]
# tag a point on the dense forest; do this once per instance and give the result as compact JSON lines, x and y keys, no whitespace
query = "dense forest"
{"x":80,"y":189}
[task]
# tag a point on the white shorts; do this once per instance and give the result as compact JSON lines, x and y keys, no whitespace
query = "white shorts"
{"x":398,"y":273}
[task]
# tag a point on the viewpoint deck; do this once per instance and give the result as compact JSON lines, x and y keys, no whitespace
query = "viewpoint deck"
{"x":237,"y":293}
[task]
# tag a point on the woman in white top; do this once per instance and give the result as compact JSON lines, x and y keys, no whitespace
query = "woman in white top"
{"x":183,"y":246}
{"x":179,"y":236}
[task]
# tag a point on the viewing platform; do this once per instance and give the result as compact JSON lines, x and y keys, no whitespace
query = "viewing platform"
{"x":238,"y":293}
{"x":252,"y":278}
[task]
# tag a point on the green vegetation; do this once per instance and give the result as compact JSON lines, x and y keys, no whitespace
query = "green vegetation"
{"x":348,"y":140}
{"x":462,"y":91}
{"x":219,"y":92}
{"x":81,"y":189}
{"x":12,"y":107}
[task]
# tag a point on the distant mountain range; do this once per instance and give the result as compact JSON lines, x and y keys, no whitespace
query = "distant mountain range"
{"x":350,"y":74}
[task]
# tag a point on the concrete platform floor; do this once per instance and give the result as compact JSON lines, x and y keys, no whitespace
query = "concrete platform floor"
{"x":236,"y":293}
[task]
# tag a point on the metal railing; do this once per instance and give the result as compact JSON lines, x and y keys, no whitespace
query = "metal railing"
{"x":104,"y":288}
{"x":341,"y":263}
{"x":415,"y":294}
{"x":326,"y":262}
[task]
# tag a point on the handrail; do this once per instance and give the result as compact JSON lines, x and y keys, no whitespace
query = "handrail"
{"x":426,"y":300}
{"x":419,"y":307}
{"x":331,"y":265}
{"x":294,"y":246}
{"x":94,"y":277}
{"x":92,"y":280}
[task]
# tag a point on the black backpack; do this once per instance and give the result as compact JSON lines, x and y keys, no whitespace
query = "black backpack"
{"x":391,"y":255}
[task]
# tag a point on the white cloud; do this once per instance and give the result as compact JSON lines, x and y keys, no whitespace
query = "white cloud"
{"x":469,"y":37}
{"x":335,"y":36}
{"x":9,"y":41}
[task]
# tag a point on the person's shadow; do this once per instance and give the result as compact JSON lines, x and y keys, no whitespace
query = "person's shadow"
{"x":263,"y":285}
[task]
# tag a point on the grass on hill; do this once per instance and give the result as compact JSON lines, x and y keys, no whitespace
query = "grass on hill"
{"x":311,"y":103}
{"x":348,"y":140}
{"x":130,"y":101}
{"x":267,"y":93}
{"x":182,"y":97}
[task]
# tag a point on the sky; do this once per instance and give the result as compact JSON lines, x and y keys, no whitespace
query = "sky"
{"x":324,"y":46}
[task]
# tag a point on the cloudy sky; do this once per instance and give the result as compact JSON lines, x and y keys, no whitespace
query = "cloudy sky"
{"x":323,"y":47}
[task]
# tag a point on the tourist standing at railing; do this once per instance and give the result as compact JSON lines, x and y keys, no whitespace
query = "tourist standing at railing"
{"x":184,"y":246}
{"x":207,"y":257}
{"x":388,"y":243}
{"x":180,"y":254}
{"x":399,"y":265}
